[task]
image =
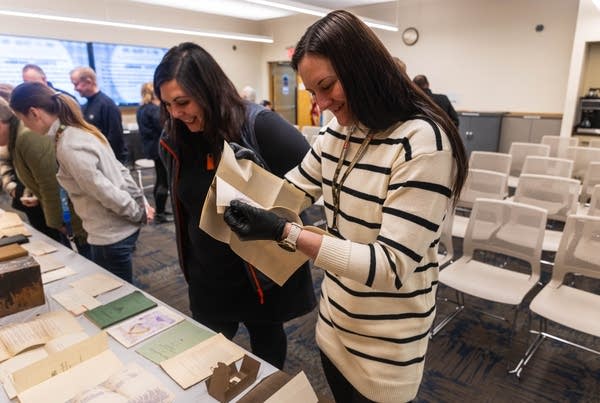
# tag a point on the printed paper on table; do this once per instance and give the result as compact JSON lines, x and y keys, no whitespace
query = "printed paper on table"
{"x":197,"y":363}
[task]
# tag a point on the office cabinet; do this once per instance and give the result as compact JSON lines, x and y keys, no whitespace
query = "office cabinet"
{"x":480,"y":131}
{"x":527,"y":129}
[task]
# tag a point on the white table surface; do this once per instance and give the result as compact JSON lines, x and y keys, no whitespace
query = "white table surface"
{"x":83,"y":268}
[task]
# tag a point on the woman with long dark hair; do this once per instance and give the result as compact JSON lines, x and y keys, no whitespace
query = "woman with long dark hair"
{"x":203,"y":108}
{"x":105,"y":196}
{"x":389,"y":166}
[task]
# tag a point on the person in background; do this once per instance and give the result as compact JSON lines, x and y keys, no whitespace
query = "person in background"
{"x":267,"y":104}
{"x":148,"y":120}
{"x":203,"y":109}
{"x":389,"y":166}
{"x":440,"y":99}
{"x":105,"y":196}
{"x":34,"y":73}
{"x":34,"y":162}
{"x":100,"y":110}
{"x":249,"y":94}
{"x":11,"y":184}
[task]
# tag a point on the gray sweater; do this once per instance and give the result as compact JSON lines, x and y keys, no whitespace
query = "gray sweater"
{"x":102,"y":190}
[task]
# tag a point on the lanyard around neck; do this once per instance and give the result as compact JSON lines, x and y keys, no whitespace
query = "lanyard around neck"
{"x":336,"y":187}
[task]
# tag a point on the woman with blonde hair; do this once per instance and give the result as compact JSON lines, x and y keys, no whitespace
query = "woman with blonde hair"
{"x":148,"y":120}
{"x":102,"y":190}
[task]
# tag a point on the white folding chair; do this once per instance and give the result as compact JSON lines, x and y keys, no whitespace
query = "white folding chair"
{"x":564,"y":304}
{"x":311,"y":133}
{"x":558,"y":196}
{"x":479,"y":183}
{"x":502,"y":227}
{"x":490,"y":161}
{"x":582,"y":156}
{"x":591,"y":178}
{"x":558,"y":145}
{"x":547,"y":166}
{"x":519,"y":151}
{"x":595,"y":143}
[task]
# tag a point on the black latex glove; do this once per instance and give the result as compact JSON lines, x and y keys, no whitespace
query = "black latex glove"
{"x":251,"y":223}
{"x":243,"y":153}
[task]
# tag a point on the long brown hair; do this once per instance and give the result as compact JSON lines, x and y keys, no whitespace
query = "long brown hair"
{"x":378,"y":93}
{"x":37,"y":95}
{"x":201,"y":77}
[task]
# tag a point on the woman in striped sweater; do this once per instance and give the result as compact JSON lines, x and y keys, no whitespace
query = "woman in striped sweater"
{"x":389,"y":166}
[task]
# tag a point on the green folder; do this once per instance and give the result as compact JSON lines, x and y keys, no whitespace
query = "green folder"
{"x":120,"y":309}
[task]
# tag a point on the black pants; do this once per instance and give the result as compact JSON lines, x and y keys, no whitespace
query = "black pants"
{"x":267,"y":339}
{"x":161,"y":186}
{"x":343,"y":391}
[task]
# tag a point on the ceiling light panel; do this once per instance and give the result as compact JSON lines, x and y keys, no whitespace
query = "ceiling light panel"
{"x":232,"y":8}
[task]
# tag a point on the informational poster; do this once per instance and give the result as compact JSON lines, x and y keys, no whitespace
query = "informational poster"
{"x":122,"y":69}
{"x":56,"y":57}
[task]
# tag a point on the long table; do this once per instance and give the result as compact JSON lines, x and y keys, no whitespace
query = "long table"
{"x":83,"y":268}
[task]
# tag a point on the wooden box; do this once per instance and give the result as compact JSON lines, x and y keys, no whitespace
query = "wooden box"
{"x":21,"y":285}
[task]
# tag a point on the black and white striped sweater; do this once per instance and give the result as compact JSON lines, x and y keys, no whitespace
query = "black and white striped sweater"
{"x":378,"y":296}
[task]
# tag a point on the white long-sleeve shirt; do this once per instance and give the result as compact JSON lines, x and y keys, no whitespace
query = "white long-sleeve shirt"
{"x":102,"y":190}
{"x":378,"y":295}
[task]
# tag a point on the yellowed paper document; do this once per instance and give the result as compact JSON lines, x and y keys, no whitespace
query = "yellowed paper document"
{"x":17,"y":337}
{"x":76,"y":301}
{"x":197,"y":363}
{"x":48,"y":263}
{"x":57,"y":274}
{"x":297,"y":390}
{"x":66,"y":385}
{"x":96,"y":284}
{"x":8,"y":367}
{"x":39,"y":248}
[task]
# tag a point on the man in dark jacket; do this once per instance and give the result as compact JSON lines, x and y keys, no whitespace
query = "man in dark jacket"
{"x":100,"y":110}
{"x":440,"y":99}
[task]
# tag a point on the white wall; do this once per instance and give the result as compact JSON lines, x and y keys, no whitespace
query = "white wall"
{"x":586,"y":32}
{"x":485,"y":54}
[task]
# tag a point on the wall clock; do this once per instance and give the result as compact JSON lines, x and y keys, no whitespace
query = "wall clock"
{"x":410,"y":36}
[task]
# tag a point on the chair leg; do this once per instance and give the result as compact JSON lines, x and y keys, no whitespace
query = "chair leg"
{"x":531,"y":350}
{"x":459,"y":308}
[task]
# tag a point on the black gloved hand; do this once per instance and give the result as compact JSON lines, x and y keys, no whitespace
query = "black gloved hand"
{"x":243,"y":153}
{"x":251,"y":223}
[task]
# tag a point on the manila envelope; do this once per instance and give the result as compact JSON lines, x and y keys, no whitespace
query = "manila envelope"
{"x":246,"y":180}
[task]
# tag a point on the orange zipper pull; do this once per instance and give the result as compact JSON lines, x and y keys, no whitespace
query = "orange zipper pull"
{"x":210,"y":162}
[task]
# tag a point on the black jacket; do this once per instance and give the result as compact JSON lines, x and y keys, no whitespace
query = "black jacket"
{"x":219,"y":281}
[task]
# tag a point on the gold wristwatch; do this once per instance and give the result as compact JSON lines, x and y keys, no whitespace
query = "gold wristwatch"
{"x":289,"y":242}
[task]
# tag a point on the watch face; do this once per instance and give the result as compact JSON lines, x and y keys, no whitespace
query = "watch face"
{"x":410,"y":36}
{"x":286,"y":245}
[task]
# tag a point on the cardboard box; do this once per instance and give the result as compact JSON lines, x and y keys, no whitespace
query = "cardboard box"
{"x":227,"y":382}
{"x":21,"y":285}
